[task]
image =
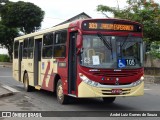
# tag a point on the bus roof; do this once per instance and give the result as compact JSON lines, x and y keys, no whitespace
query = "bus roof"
{"x":41,"y":32}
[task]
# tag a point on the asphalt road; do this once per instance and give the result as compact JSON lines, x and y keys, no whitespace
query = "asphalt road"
{"x":46,"y":101}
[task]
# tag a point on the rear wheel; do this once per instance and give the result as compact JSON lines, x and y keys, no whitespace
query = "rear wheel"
{"x":27,"y":87}
{"x":63,"y":99}
{"x":109,"y":100}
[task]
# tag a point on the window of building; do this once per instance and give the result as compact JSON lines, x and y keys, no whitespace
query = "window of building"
{"x":60,"y":44}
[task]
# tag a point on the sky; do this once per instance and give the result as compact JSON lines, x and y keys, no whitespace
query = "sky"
{"x":57,"y":11}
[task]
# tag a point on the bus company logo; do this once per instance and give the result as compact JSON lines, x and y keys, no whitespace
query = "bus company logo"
{"x":6,"y":114}
{"x":117,"y":81}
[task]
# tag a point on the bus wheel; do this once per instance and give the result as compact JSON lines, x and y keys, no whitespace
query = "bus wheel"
{"x":27,"y":87}
{"x":108,"y":100}
{"x":63,"y":99}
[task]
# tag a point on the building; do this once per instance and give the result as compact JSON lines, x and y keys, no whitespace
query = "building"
{"x":77,"y":17}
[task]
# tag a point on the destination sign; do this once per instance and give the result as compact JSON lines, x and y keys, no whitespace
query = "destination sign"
{"x":115,"y":26}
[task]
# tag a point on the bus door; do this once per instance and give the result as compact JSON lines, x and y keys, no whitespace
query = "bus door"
{"x":37,"y":61}
{"x":72,"y":65}
{"x":20,"y":60}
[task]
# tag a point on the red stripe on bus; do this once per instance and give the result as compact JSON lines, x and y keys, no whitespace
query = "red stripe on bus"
{"x":46,"y":73}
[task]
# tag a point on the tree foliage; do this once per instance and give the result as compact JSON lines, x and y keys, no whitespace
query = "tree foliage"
{"x":7,"y":36}
{"x":147,"y":13}
{"x":16,"y":17}
{"x":155,"y":49}
{"x":23,"y":15}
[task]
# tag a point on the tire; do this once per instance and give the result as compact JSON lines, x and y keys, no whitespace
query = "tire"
{"x":109,"y":100}
{"x":61,"y":98}
{"x":27,"y":87}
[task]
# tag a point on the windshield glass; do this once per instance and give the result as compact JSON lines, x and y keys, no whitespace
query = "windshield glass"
{"x":101,"y":51}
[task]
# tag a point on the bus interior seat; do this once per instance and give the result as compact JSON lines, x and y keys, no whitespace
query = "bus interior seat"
{"x":101,"y":56}
{"x":91,"y":52}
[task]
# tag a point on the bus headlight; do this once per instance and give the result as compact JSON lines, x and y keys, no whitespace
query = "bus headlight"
{"x":87,"y":80}
{"x":142,"y":78}
{"x":137,"y":82}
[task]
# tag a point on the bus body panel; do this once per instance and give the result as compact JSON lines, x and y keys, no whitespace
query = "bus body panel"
{"x":15,"y":69}
{"x":48,"y":72}
{"x":27,"y":66}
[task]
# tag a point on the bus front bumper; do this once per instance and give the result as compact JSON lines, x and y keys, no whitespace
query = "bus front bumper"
{"x":85,"y":90}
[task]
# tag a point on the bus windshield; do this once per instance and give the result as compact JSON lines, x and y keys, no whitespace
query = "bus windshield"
{"x":111,"y":52}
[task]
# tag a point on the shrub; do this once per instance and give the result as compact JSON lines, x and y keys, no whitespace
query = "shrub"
{"x":4,"y":58}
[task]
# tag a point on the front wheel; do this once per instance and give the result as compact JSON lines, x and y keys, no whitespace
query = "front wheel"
{"x":109,"y":100}
{"x":63,"y":99}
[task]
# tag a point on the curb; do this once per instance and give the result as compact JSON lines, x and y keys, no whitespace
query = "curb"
{"x":6,"y":95}
{"x":6,"y":91}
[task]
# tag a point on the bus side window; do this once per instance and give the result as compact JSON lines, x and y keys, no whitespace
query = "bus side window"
{"x":30,"y":47}
{"x":16,"y":45}
{"x":25,"y":48}
{"x":28,"y":44}
{"x":60,"y":44}
{"x":47,"y":45}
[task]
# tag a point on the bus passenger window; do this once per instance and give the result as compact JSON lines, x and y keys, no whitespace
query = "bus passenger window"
{"x":16,"y":45}
{"x":25,"y":48}
{"x":30,"y":47}
{"x":60,"y":44}
{"x":47,"y":45}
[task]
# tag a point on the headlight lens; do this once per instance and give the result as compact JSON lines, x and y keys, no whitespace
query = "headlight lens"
{"x":137,"y":82}
{"x":87,"y":80}
{"x":142,"y":78}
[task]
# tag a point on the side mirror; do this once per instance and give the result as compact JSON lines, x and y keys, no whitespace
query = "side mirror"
{"x":79,"y":41}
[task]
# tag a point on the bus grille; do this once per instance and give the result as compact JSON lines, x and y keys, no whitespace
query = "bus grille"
{"x":109,"y":92}
{"x":114,"y":83}
{"x":117,"y":73}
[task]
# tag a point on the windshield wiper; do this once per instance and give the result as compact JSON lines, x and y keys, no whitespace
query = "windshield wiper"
{"x":106,"y":43}
{"x":121,"y":46}
{"x":129,"y":35}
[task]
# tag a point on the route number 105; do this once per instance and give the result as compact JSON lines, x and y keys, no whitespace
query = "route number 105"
{"x":130,"y":62}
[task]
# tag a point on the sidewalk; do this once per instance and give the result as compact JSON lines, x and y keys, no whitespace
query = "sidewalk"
{"x":5,"y":64}
{"x":4,"y":92}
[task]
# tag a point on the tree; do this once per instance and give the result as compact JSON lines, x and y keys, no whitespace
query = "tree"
{"x":147,"y":13}
{"x":7,"y":36}
{"x":16,"y":16}
{"x":2,"y":2}
{"x":26,"y":16}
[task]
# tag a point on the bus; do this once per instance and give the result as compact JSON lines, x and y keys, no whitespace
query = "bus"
{"x":91,"y":58}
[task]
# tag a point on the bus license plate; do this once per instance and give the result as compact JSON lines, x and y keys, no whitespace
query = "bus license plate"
{"x":116,"y":91}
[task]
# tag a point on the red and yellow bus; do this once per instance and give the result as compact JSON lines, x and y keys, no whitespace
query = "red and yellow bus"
{"x":83,"y":59}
